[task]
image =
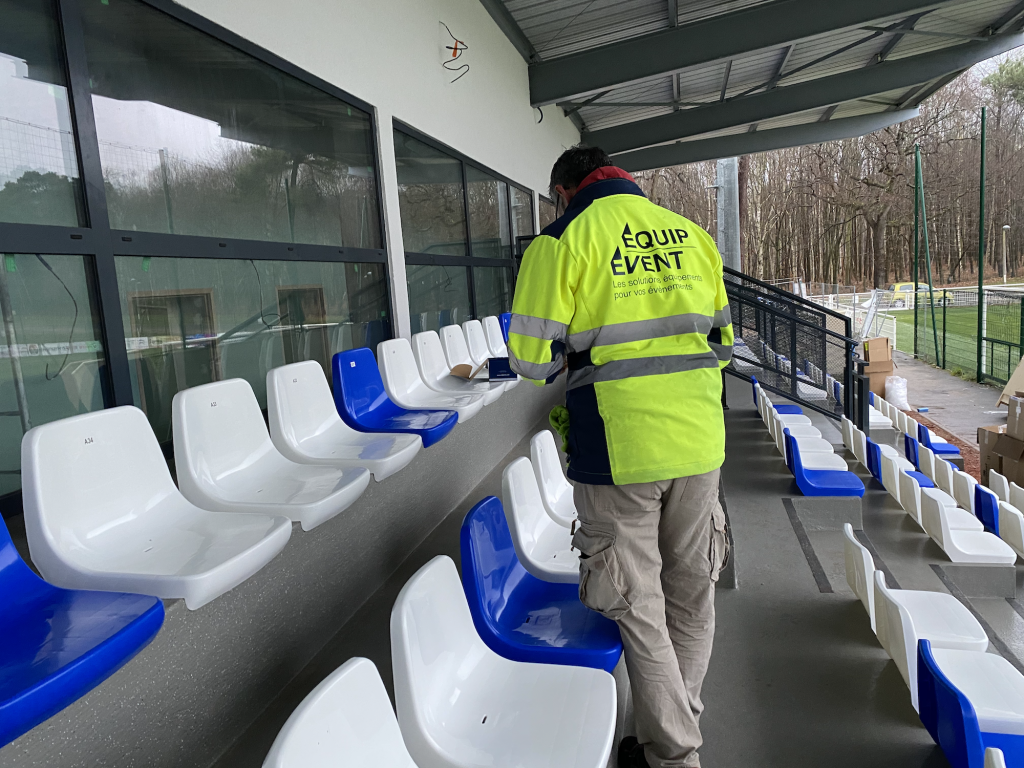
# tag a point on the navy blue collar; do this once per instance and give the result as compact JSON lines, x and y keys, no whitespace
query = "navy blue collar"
{"x":582,"y":200}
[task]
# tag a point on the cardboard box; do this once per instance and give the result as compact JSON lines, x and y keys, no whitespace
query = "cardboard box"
{"x":877,"y":350}
{"x":877,"y":373}
{"x":1011,"y":451}
{"x":1015,"y":417}
{"x":987,"y":438}
{"x":1014,"y":386}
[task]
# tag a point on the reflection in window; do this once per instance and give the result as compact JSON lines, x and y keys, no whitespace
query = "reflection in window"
{"x":39,"y":181}
{"x":493,"y":288}
{"x":522,"y":213}
{"x":438,"y":296}
{"x":198,"y":138}
{"x":546,"y":212}
{"x":431,"y":199}
{"x":51,"y":358}
{"x":193,"y":321}
{"x":488,"y":215}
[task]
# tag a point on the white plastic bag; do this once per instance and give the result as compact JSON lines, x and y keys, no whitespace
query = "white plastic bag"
{"x":896,"y":392}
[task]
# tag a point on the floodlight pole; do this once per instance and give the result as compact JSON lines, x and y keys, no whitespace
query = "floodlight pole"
{"x":917,"y":235}
{"x":1006,"y":228}
{"x":928,"y":258}
{"x":981,"y":252}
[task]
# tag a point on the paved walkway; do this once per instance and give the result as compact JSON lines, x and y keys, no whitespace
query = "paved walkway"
{"x":956,"y":405}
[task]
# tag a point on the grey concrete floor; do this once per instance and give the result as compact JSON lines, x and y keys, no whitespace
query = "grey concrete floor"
{"x":956,"y":405}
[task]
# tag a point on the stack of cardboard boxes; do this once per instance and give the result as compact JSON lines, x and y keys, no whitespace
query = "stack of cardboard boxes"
{"x":878,"y":354}
{"x":1002,"y":447}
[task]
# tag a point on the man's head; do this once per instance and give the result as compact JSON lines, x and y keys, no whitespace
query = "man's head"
{"x":574,"y":165}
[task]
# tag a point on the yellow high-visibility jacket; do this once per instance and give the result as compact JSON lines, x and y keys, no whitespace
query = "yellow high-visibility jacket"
{"x":630,"y":296}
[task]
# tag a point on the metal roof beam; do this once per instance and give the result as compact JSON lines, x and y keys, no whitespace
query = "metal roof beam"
{"x":730,"y":35}
{"x":846,"y":86}
{"x":507,"y":24}
{"x":759,"y":141}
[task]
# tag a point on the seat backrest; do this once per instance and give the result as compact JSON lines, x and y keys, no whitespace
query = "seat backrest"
{"x":945,"y":712}
{"x":495,"y":340}
{"x":429,"y":356}
{"x":218,"y":428}
{"x":911,"y":450}
{"x":933,"y":519}
{"x":910,"y":494}
{"x":986,"y":507}
{"x":453,"y":342}
{"x":346,"y":720}
{"x":923,"y":435}
{"x":548,"y":467}
{"x":434,"y":645}
{"x":926,"y":460}
{"x":398,"y":367}
{"x":358,"y":387}
{"x":874,"y":456}
{"x":88,"y":475}
{"x":524,"y":507}
{"x":896,"y":626}
{"x":505,"y":319}
{"x":475,"y":340}
{"x":1017,"y":496}
{"x":847,"y":433}
{"x":792,"y":453}
{"x":963,"y":489}
{"x":490,"y":567}
{"x":299,"y":403}
{"x":860,"y":446}
{"x":859,"y":566}
{"x":999,"y":484}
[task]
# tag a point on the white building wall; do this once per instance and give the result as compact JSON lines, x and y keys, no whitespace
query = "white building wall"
{"x":387,"y":52}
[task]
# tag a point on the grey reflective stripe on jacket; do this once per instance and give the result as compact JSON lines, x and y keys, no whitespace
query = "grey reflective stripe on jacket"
{"x":616,"y":370}
{"x":723,"y":317}
{"x":536,"y":371}
{"x":640,"y":330}
{"x":538,"y":328}
{"x":722,"y":351}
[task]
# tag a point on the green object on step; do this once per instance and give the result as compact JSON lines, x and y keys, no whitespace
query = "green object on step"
{"x":9,"y":264}
{"x":559,"y":419}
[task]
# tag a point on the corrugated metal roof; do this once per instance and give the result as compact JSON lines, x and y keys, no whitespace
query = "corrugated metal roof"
{"x":557,"y":28}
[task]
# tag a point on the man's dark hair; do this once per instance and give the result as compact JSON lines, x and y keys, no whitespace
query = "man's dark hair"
{"x":574,"y":165}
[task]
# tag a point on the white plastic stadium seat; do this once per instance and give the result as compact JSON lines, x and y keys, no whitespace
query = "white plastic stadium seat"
{"x":944,"y":475}
{"x":992,"y":684}
{"x":892,"y":466}
{"x":496,"y":342}
{"x":994,"y":758}
{"x":476,"y":341}
{"x":905,"y":616}
{"x":405,"y":387}
{"x":962,"y":546}
{"x":926,"y":460}
{"x":1011,"y":527}
{"x":957,"y":519}
{"x":226,"y":460}
{"x":461,"y":705}
{"x":555,"y":490}
{"x":306,"y":428}
{"x":347,"y":720}
{"x":999,"y":485}
{"x":963,"y":489}
{"x":456,"y":351}
{"x":911,"y":494}
{"x":434,"y":370}
{"x":807,"y":445}
{"x":859,"y":567}
{"x":102,"y":512}
{"x":1017,"y":496}
{"x":543,"y":546}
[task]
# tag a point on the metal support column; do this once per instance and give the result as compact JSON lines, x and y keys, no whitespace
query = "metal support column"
{"x":729,"y":212}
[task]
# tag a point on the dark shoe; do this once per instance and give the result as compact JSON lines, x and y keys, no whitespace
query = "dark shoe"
{"x":631,"y":754}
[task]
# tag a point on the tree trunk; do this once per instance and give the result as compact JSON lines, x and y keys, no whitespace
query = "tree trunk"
{"x":742,"y":175}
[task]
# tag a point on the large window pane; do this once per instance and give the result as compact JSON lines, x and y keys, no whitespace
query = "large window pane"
{"x":493,"y":288}
{"x":39,"y":181}
{"x":522,"y":213}
{"x":438,"y":296}
{"x":193,"y":321}
{"x":51,"y":359}
{"x":547,"y":212}
{"x":488,"y":215}
{"x":431,"y":199}
{"x":199,"y":138}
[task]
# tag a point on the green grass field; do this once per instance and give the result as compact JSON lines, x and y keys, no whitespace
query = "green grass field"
{"x":961,"y":333}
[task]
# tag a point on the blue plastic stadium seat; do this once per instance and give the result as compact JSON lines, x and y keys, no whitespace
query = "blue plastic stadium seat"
{"x":364,"y":405}
{"x":58,"y":644}
{"x":821,"y":482}
{"x":950,"y":716}
{"x":939,"y":449}
{"x":519,"y":616}
{"x":923,"y":481}
{"x":986,"y":507}
{"x":910,"y":451}
{"x":505,"y":318}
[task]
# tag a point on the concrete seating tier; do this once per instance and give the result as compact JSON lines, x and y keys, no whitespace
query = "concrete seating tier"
{"x":404,"y":386}
{"x":346,"y":720}
{"x":306,"y":428}
{"x":102,"y":512}
{"x":519,"y":616}
{"x":543,"y":546}
{"x":226,"y":461}
{"x":461,"y":704}
{"x":364,"y":405}
{"x":555,"y":489}
{"x":58,"y":644}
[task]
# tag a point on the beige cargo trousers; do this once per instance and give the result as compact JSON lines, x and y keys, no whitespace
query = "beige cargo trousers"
{"x":650,"y":554}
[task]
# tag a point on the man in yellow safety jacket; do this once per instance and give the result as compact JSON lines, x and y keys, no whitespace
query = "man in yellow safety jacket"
{"x":628,"y":297}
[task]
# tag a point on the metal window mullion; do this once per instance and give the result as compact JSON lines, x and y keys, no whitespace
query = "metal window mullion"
{"x":471,"y":284}
{"x":87,"y":145}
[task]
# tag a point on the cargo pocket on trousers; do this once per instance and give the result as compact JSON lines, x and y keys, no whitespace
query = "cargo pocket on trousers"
{"x":720,"y":547}
{"x":600,"y":578}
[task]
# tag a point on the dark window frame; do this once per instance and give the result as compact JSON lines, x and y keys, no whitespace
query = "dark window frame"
{"x":470,"y":261}
{"x":98,"y":243}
